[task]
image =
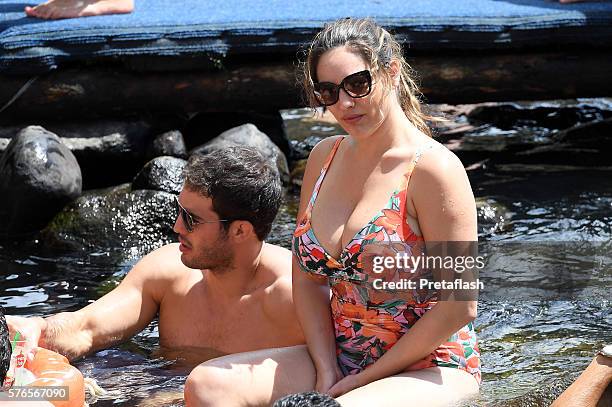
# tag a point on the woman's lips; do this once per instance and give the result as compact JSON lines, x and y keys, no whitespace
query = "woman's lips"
{"x":352,"y":118}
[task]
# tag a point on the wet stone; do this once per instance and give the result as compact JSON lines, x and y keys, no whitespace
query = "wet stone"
{"x":493,"y":217}
{"x":552,"y":116}
{"x":115,"y":218}
{"x":297,"y":173}
{"x":248,"y":135}
{"x":161,"y":174}
{"x":170,"y":143}
{"x":301,"y":149}
{"x":205,"y":126}
{"x":38,"y":176}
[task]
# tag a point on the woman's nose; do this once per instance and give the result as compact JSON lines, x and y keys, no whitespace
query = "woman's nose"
{"x":345,"y":100}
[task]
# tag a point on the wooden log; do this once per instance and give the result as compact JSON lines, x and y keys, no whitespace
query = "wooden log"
{"x":270,"y":86}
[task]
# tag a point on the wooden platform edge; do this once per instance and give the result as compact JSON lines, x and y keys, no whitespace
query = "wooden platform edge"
{"x":265,"y":87}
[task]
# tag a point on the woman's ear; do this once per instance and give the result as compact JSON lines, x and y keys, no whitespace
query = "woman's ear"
{"x":395,"y":71}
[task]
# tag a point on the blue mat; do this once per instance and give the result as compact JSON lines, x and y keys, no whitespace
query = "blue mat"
{"x":217,"y":29}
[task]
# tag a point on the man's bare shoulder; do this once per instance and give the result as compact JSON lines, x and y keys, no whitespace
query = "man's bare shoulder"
{"x":278,"y":296}
{"x":278,"y":272}
{"x":277,"y":260}
{"x":163,"y":263}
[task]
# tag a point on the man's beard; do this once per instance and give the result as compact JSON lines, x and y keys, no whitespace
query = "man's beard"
{"x":217,"y":257}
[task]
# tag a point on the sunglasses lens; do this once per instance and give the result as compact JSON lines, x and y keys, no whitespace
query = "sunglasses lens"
{"x":326,"y":93}
{"x":185,"y":217}
{"x":358,"y":85}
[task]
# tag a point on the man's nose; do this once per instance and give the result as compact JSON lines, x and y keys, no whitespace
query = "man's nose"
{"x":179,"y":227}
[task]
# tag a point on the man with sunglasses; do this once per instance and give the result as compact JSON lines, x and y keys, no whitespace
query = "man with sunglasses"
{"x":220,"y":290}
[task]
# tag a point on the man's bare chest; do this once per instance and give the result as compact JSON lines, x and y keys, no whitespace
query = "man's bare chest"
{"x":227,"y":328}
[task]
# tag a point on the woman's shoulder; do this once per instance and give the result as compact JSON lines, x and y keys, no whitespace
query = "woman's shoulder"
{"x":320,"y":152}
{"x":434,"y":159}
{"x":324,"y":147}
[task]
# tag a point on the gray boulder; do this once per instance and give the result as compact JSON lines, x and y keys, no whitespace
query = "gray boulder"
{"x":170,"y":143}
{"x":134,"y":221}
{"x":161,"y":174}
{"x":248,"y":135}
{"x":38,"y":176}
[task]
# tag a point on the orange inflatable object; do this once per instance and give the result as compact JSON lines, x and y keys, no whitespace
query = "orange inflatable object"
{"x":52,"y":369}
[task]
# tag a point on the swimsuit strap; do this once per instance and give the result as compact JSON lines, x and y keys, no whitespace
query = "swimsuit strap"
{"x":330,"y":157}
{"x":418,"y":155}
{"x":332,"y":154}
{"x":420,"y":151}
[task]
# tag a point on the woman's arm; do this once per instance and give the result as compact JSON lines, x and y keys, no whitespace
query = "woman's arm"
{"x":311,"y":298}
{"x":311,"y":294}
{"x":446,"y":211}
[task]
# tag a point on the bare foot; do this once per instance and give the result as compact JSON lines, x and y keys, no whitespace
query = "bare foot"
{"x":56,"y":9}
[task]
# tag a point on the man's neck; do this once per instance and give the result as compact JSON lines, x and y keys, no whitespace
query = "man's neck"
{"x":240,"y":278}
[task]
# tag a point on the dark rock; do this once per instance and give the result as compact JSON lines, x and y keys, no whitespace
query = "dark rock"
{"x":596,"y":135}
{"x":248,"y":135}
{"x":205,"y":126}
{"x":170,"y":143}
{"x":549,"y":115}
{"x":297,"y":173}
{"x":302,"y":149}
{"x":561,"y":154}
{"x":581,"y":145}
{"x":115,"y":218}
{"x":493,"y":217}
{"x":38,"y":176}
{"x":161,"y":174}
{"x":109,"y":151}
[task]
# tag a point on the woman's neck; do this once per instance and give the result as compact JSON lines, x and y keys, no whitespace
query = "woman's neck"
{"x":395,"y":131}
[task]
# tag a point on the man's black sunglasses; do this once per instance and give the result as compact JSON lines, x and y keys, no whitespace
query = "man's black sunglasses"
{"x":187,"y":217}
{"x":356,"y":85}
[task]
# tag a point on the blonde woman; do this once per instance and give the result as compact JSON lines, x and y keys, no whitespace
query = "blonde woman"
{"x":386,"y":183}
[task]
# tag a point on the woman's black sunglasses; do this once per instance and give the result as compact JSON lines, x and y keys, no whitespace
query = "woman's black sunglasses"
{"x":188,"y":220}
{"x":356,"y":85}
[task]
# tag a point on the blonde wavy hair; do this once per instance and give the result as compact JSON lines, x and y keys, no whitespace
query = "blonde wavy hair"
{"x":378,"y":48}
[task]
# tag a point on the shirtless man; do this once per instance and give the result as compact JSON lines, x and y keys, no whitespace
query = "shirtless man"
{"x":221,"y":290}
{"x":57,"y":9}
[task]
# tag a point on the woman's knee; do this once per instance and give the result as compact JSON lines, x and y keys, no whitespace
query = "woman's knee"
{"x":207,"y":385}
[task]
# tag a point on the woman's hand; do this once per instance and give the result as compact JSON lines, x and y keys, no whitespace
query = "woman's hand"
{"x":327,"y":378}
{"x":348,"y":383}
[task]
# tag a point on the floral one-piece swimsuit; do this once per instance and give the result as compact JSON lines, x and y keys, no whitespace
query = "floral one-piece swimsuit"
{"x":369,"y":320}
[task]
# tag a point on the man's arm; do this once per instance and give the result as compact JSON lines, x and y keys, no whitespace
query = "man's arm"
{"x":114,"y":318}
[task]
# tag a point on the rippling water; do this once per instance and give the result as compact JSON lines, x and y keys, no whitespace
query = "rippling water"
{"x":542,"y":230}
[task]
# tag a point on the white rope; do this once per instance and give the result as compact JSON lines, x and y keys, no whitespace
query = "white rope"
{"x":94,"y":390}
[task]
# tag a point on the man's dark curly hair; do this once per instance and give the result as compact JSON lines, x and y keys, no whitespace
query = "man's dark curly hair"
{"x":242,"y":184}
{"x":308,"y":399}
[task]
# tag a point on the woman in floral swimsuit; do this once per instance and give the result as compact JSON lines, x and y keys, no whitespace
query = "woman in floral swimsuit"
{"x":369,"y":320}
{"x":385,"y":188}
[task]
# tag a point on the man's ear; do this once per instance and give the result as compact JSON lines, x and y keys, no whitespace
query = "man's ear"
{"x":241,"y":230}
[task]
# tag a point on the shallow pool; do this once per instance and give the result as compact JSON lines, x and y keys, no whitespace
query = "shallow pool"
{"x":545,"y":310}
